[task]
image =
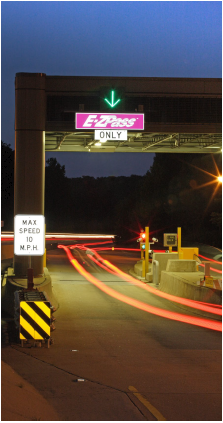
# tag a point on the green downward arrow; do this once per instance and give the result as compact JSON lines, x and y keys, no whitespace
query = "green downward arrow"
{"x":112,"y":104}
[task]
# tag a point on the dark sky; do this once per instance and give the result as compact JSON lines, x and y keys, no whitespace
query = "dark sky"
{"x":106,"y":38}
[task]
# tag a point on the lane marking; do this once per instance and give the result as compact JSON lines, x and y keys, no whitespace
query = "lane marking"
{"x":147,"y":404}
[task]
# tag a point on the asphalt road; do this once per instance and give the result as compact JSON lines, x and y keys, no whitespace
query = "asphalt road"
{"x":111,"y":361}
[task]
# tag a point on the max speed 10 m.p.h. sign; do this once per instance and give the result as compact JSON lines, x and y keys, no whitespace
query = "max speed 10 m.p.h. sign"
{"x":29,"y":235}
{"x":129,"y":121}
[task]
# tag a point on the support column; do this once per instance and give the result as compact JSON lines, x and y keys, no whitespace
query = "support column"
{"x":30,"y":116}
{"x":146,"y":250}
{"x":180,"y":253}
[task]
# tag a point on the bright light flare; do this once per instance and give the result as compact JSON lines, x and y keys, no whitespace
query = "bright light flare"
{"x":216,"y":179}
{"x":205,"y":323}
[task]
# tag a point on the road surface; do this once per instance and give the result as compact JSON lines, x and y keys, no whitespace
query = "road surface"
{"x":111,"y":361}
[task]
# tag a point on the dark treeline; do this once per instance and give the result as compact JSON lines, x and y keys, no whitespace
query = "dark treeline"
{"x":175,"y":191}
{"x":7,"y":185}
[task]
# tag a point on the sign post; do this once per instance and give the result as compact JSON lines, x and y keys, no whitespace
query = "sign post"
{"x":29,"y":239}
{"x":146,"y":250}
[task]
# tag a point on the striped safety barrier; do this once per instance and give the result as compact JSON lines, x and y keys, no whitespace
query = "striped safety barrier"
{"x":33,"y":317}
{"x":35,"y":320}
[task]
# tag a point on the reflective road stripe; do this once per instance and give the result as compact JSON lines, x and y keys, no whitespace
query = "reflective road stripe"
{"x":147,"y":404}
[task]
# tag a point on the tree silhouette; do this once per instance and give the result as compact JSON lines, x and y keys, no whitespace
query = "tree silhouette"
{"x":7,"y":185}
{"x":179,"y":190}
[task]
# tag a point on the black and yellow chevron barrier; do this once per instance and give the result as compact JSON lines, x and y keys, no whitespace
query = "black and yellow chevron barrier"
{"x":35,"y":320}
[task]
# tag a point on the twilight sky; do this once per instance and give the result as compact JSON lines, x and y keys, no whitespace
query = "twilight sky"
{"x":107,"y":38}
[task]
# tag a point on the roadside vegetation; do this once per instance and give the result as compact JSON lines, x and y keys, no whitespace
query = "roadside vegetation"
{"x":179,"y":190}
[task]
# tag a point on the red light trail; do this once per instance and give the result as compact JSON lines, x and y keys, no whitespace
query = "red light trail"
{"x":158,"y":251}
{"x":101,"y":265}
{"x":115,"y":248}
{"x":211,"y":268}
{"x":190,"y":303}
{"x":208,"y":259}
{"x":205,"y":323}
{"x":96,"y":243}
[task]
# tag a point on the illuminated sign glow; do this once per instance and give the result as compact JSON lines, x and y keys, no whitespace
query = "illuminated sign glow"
{"x":112,"y":103}
{"x":130,"y":121}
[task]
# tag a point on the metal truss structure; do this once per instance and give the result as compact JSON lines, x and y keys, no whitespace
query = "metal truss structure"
{"x":137,"y":142}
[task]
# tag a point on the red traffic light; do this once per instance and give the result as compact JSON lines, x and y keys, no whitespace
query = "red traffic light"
{"x":142,"y":237}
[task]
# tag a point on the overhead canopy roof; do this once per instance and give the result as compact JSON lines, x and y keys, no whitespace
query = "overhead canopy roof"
{"x":181,"y":114}
{"x":139,"y":142}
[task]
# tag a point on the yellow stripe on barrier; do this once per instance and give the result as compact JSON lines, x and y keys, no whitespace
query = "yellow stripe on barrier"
{"x":44,"y":308}
{"x":21,"y":336}
{"x":30,"y":326}
{"x":37,"y":318}
{"x":42,"y":324}
{"x":34,"y":334}
{"x":24,"y":305}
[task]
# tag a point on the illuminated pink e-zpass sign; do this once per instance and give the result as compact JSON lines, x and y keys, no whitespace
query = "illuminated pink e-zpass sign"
{"x":130,"y":121}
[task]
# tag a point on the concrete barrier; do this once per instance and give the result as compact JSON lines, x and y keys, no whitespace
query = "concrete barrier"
{"x":180,"y":279}
{"x":181,"y":266}
{"x":162,"y":259}
{"x":43,"y":284}
{"x":138,"y":271}
{"x":184,"y":284}
{"x":138,"y":268}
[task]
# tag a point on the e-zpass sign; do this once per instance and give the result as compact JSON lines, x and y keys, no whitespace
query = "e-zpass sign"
{"x":29,"y":235}
{"x":130,"y":121}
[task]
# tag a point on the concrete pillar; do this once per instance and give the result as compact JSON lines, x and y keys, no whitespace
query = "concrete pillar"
{"x":30,"y":116}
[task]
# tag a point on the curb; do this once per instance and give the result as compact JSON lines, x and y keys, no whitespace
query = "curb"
{"x":43,"y":284}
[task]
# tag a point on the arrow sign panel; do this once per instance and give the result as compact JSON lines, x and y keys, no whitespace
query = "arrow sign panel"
{"x":112,"y":103}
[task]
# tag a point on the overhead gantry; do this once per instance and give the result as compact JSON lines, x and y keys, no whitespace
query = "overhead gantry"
{"x":181,"y":115}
